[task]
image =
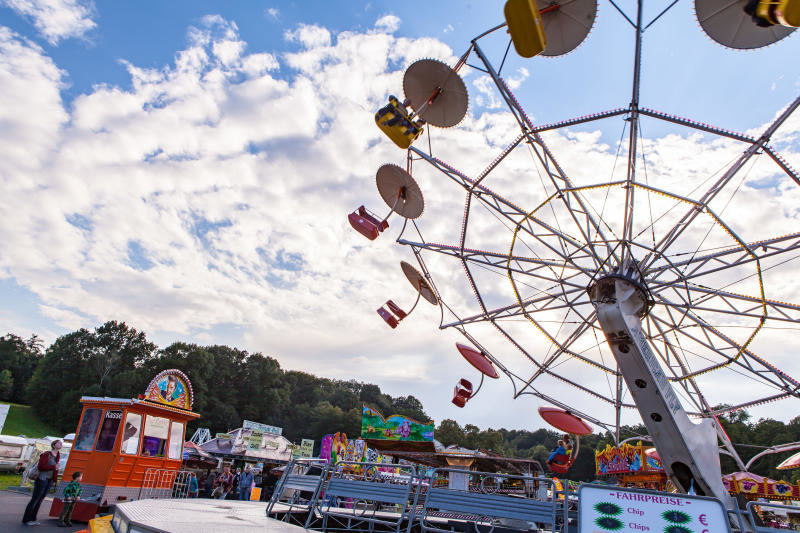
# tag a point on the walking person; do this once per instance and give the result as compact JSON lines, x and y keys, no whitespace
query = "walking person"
{"x":72,"y":493}
{"x":245,"y":484}
{"x":47,"y":476}
{"x":223,"y":484}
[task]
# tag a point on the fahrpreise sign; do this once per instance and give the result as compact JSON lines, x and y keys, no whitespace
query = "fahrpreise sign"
{"x":603,"y":509}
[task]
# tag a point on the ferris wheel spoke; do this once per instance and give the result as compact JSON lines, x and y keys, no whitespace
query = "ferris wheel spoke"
{"x":672,"y":353}
{"x":711,"y":263}
{"x":583,"y":219}
{"x":541,"y":231}
{"x":730,"y":303}
{"x":544,"y":301}
{"x":493,"y":259}
{"x":541,"y":271}
{"x":564,"y":347}
{"x":781,"y":162}
{"x":752,"y":403}
{"x":733,"y":353}
{"x":526,"y":384}
{"x":702,"y":204}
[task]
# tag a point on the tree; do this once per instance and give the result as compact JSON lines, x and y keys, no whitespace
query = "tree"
{"x":408,"y":406}
{"x":449,"y":433}
{"x":19,"y":357}
{"x":6,"y":385}
{"x":198,"y":364}
{"x":371,"y":394}
{"x":262,"y":390}
{"x":61,"y":377}
{"x":120,"y":349}
{"x":79,"y":364}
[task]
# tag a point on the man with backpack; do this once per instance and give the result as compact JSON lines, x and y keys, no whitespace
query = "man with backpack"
{"x":45,"y":474}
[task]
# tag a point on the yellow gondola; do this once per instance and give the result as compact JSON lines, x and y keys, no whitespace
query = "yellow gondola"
{"x":525,"y":26}
{"x":781,"y":12}
{"x":394,"y":121}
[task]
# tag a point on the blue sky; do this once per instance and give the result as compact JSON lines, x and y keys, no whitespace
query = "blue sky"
{"x":186,"y":166}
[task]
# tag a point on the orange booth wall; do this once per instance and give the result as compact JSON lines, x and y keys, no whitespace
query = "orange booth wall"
{"x":116,"y":443}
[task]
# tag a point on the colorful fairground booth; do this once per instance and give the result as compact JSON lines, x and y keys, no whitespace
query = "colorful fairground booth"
{"x":633,"y":466}
{"x":120,"y":443}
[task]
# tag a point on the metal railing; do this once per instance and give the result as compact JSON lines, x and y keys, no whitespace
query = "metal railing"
{"x":489,"y":500}
{"x":767,"y":527}
{"x":368,"y":497}
{"x":296,"y":493}
{"x":161,"y":483}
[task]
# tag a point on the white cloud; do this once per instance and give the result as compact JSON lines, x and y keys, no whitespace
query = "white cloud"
{"x":309,"y":35}
{"x":273,"y":12}
{"x":57,"y":19}
{"x":215,"y":191}
{"x":514,"y":82}
{"x":388,"y":23}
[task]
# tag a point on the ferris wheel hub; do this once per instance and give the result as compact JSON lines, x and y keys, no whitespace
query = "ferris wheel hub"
{"x":626,"y":285}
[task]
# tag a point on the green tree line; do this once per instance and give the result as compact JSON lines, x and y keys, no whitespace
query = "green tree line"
{"x":231,"y":385}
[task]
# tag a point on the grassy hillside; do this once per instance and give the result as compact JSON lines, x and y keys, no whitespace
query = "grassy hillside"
{"x":22,"y":421}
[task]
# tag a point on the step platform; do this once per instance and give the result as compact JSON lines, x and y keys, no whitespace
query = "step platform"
{"x":196,"y":515}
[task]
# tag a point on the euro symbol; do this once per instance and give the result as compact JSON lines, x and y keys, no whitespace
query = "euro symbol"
{"x":703,"y":520}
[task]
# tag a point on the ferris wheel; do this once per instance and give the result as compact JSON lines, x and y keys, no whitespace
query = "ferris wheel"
{"x":641,"y":288}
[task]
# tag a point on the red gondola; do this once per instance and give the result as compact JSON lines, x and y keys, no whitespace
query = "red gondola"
{"x":462,"y":392}
{"x":391,"y":313}
{"x":400,"y":192}
{"x":565,"y":421}
{"x":366,"y":223}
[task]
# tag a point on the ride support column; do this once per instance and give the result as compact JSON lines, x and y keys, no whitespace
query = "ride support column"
{"x":688,"y":450}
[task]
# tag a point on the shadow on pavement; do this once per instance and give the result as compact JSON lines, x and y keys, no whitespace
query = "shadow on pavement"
{"x":12,"y":507}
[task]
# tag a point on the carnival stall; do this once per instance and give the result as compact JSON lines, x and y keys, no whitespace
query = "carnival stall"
{"x":633,"y":465}
{"x":120,"y":443}
{"x":395,"y":432}
{"x":195,"y":458}
{"x":752,"y":487}
{"x":253,"y":443}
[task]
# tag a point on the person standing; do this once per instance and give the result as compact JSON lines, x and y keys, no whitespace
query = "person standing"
{"x":72,"y":493}
{"x":48,"y":475}
{"x":235,"y":487}
{"x":223,"y":484}
{"x":194,"y":488}
{"x":245,"y":484}
{"x":209,"y":484}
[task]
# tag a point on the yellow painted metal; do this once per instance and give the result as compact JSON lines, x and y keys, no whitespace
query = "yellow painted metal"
{"x":525,"y":26}
{"x":397,"y":125}
{"x":783,"y":12}
{"x":101,"y":524}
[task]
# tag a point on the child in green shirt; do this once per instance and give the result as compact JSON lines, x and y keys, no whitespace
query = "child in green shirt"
{"x":72,"y":493}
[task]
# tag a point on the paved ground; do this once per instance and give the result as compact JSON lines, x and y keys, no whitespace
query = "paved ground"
{"x":12,"y":507}
{"x":203,"y":516}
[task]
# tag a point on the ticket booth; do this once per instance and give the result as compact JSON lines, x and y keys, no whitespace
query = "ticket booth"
{"x":121,"y":442}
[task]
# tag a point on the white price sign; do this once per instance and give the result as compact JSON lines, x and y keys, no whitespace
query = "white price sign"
{"x":604,"y":509}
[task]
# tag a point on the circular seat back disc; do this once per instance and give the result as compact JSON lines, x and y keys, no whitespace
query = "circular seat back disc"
{"x":436,"y":92}
{"x":391,"y":180}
